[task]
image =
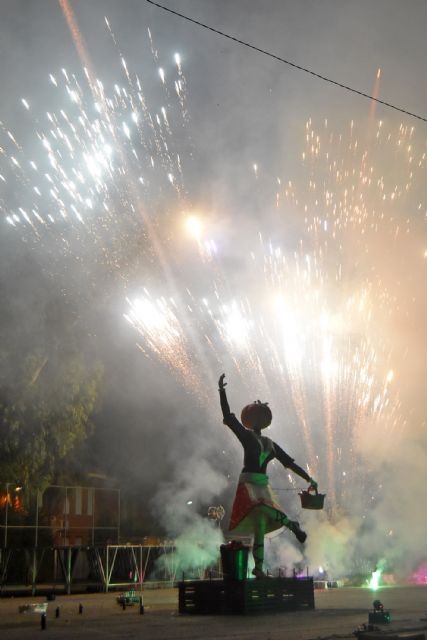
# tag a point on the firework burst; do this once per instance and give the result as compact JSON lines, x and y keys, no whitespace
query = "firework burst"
{"x":96,"y":179}
{"x":100,"y":182}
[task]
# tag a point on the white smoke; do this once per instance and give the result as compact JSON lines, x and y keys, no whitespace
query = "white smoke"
{"x":182,"y":505}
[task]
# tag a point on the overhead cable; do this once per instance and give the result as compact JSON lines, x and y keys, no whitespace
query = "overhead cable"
{"x":288,"y":62}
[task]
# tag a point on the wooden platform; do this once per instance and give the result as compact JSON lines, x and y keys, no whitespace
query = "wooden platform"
{"x":246,"y":596}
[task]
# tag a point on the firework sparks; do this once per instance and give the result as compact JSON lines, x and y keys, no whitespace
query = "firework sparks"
{"x":315,"y":363}
{"x":100,"y":157}
{"x":295,"y":327}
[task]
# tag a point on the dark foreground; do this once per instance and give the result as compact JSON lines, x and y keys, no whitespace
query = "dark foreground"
{"x":338,"y":612}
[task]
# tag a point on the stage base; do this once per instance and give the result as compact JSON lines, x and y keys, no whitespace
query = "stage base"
{"x":246,"y":596}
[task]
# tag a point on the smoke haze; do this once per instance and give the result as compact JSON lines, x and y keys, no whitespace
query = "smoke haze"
{"x":306,"y":284}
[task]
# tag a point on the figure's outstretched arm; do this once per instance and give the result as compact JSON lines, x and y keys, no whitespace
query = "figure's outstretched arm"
{"x":290,"y":463}
{"x":229,"y":418}
{"x":223,"y":397}
{"x":300,"y":472}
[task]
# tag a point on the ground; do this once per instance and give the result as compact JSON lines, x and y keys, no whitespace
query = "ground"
{"x":338,"y":612}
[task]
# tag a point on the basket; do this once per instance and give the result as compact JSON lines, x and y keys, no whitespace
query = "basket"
{"x":312,"y":500}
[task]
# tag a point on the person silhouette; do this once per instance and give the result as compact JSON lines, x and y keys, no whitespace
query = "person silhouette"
{"x":256,"y":510}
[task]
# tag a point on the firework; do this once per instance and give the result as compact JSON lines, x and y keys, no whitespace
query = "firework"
{"x":297,"y":329}
{"x":102,"y":167}
{"x":101,"y":183}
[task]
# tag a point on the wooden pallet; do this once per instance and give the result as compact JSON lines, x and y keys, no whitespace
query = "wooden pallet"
{"x":246,"y":596}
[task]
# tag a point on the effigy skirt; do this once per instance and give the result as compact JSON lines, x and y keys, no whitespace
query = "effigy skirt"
{"x":253,"y":491}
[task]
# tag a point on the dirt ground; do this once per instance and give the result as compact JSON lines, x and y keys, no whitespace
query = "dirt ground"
{"x":338,"y":612}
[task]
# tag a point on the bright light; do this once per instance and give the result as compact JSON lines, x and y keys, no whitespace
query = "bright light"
{"x":374,"y":582}
{"x":154,"y":319}
{"x":236,"y":327}
{"x":194,"y":227}
{"x":149,"y":315}
{"x":290,"y":326}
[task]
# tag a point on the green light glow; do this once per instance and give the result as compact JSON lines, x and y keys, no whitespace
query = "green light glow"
{"x":374,"y":582}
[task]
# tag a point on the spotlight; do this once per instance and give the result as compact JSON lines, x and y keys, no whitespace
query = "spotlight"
{"x":378,"y":615}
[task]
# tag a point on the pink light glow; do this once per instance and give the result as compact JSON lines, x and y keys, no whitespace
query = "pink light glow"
{"x":420,"y":575}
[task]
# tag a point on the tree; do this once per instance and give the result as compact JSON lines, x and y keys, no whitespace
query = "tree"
{"x":48,"y":389}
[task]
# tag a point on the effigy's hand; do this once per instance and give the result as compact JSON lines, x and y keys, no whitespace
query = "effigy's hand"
{"x":221,"y":383}
{"x":313,"y":484}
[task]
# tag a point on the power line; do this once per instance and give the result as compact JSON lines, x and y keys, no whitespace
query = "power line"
{"x":288,"y":62}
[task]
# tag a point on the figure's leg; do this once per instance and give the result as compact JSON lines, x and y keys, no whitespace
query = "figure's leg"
{"x":258,"y":546}
{"x":292,"y":525}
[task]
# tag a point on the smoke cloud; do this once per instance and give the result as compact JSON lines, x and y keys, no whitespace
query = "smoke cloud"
{"x":306,"y":285}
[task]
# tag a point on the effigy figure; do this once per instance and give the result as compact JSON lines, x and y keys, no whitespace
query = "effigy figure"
{"x":255,"y":509}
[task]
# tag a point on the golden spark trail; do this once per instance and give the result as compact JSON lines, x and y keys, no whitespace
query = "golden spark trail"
{"x":375,"y":94}
{"x":299,"y":403}
{"x":331,"y":443}
{"x":79,"y":42}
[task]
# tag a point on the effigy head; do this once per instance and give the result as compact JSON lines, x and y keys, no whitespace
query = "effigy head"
{"x":256,"y":415}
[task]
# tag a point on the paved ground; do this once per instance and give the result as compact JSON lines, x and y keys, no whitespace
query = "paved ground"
{"x":338,"y":612}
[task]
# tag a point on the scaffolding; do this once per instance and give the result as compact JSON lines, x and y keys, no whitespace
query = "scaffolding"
{"x":67,"y":538}
{"x":43,"y":533}
{"x":59,"y":516}
{"x":101,"y":568}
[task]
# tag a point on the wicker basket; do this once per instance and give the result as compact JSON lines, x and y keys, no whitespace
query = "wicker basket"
{"x":312,"y":500}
